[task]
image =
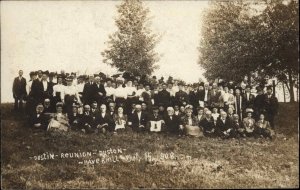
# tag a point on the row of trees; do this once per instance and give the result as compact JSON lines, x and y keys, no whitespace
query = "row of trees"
{"x":243,"y":38}
{"x":238,"y":39}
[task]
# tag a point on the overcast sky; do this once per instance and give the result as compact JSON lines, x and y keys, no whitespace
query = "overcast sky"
{"x":70,"y":35}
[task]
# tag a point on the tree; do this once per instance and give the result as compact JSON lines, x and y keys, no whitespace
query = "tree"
{"x":244,"y":37}
{"x":131,"y":47}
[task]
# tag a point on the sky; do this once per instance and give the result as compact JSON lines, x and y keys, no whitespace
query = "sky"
{"x":70,"y":36}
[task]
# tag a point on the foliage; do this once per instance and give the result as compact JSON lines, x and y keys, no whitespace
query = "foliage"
{"x":245,"y":37}
{"x":131,"y":47}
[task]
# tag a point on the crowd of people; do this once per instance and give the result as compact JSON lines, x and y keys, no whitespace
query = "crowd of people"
{"x":101,"y":104}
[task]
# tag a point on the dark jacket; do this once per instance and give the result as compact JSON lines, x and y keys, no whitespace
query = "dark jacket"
{"x":106,"y":119}
{"x":271,"y":104}
{"x":248,"y":103}
{"x":172,"y":126}
{"x":181,"y":97}
{"x":87,"y":93}
{"x":19,"y":87}
{"x":34,"y":119}
{"x":163,"y":98}
{"x":221,"y":127}
{"x":136,"y":122}
{"x":96,"y":91}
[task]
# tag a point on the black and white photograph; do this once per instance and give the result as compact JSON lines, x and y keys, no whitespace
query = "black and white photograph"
{"x":149,"y":94}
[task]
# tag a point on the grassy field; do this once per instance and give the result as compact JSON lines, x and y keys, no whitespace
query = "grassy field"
{"x":200,"y":163}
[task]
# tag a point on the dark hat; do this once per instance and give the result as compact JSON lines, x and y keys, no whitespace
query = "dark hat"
{"x":201,"y":84}
{"x":32,"y":73}
{"x":51,"y":74}
{"x":248,"y":86}
{"x":45,"y":72}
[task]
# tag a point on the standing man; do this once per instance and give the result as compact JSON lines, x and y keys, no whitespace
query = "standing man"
{"x":248,"y":97}
{"x":238,"y":103}
{"x":271,"y":106}
{"x":87,"y":93}
{"x":19,"y":91}
{"x":99,"y":91}
{"x":163,"y":97}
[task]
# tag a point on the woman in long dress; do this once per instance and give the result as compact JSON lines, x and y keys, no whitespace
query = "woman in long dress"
{"x":59,"y":121}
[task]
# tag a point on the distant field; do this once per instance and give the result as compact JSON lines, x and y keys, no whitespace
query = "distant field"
{"x":186,"y":162}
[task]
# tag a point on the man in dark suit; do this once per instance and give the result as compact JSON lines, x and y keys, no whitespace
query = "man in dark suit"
{"x":87,"y":94}
{"x":87,"y":122}
{"x":19,"y":91}
{"x":248,"y":97}
{"x":238,"y":103}
{"x":172,"y":122}
{"x":139,"y":119}
{"x":37,"y":119}
{"x":163,"y":97}
{"x":271,"y":106}
{"x":104,"y":122}
{"x":155,"y":121}
{"x":47,"y":90}
{"x":74,"y":118}
{"x":208,"y":125}
{"x":224,"y":126}
{"x":181,"y":97}
{"x":213,"y":96}
{"x":99,"y":91}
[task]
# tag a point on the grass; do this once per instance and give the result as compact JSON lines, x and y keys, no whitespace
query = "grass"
{"x":214,"y":163}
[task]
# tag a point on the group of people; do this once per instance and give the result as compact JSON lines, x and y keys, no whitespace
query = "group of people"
{"x":102,"y":104}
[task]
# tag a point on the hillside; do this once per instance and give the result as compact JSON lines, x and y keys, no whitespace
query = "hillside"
{"x":176,"y":162}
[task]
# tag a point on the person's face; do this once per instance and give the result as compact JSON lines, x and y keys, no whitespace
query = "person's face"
{"x":236,"y":117}
{"x":133,"y":106}
{"x":34,"y":77}
{"x":176,"y":108}
{"x":74,"y":109}
{"x":189,"y":113}
{"x":87,"y":109}
{"x":47,"y":103}
{"x":170,"y":112}
{"x":44,"y":77}
{"x":201,"y":88}
{"x":262,"y":117}
{"x":51,"y":78}
{"x":111,"y":107}
{"x":113,"y":85}
{"x":180,"y":87}
{"x":138,"y":108}
{"x":170,"y":86}
{"x":20,"y":73}
{"x":230,"y":110}
{"x":269,"y":91}
{"x":98,"y":80}
{"x":249,"y":115}
{"x":129,"y":83}
{"x":40,"y":74}
{"x":226,"y":89}
{"x":59,"y":80}
{"x":144,"y":106}
{"x":120,"y":110}
{"x":206,"y":86}
{"x":155,"y":112}
{"x":200,"y":112}
{"x":91,"y":79}
{"x":237,"y":92}
{"x":39,"y":109}
{"x":248,"y":90}
{"x":140,"y":86}
{"x":161,"y":108}
{"x":147,"y":88}
{"x":220,"y":88}
{"x":223,"y":115}
{"x":94,"y":105}
{"x":208,"y":116}
{"x":164,"y":87}
{"x":231,"y":91}
{"x":59,"y":109}
{"x":214,"y":86}
{"x":215,"y":110}
{"x":103,"y":109}
{"x":182,"y":109}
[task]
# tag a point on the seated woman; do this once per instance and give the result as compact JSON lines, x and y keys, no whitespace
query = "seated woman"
{"x":249,"y":123}
{"x":59,"y":121}
{"x":263,"y":127}
{"x":120,"y":119}
{"x":190,"y":124}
